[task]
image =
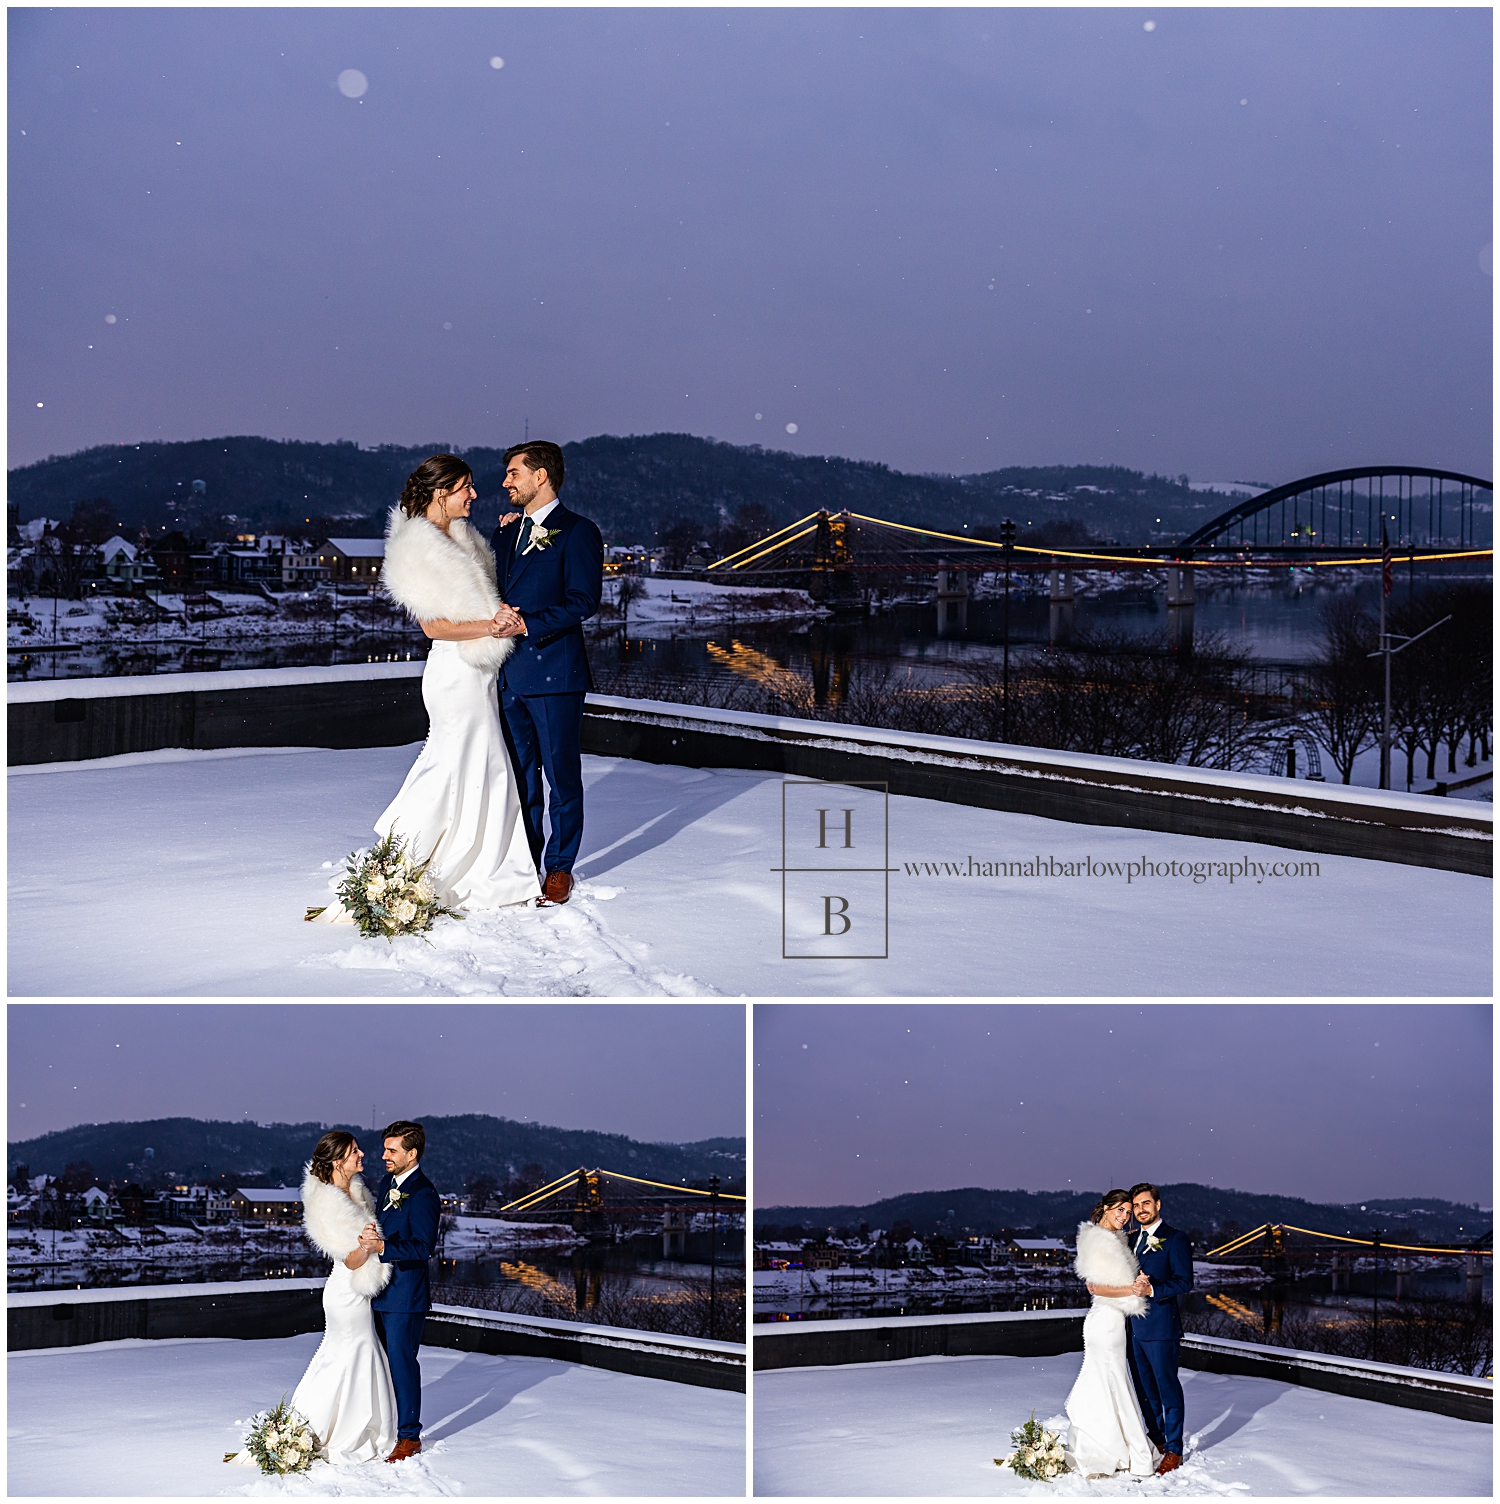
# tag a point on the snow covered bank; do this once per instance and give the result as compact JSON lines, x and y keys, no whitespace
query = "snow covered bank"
{"x":932,"y":1426}
{"x":155,"y":1418}
{"x":194,"y":869}
{"x":682,"y":605}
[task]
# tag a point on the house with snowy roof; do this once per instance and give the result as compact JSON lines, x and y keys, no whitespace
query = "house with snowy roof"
{"x":355,"y":561}
{"x":279,"y":1206}
{"x":124,"y":565}
{"x":1040,"y":1250}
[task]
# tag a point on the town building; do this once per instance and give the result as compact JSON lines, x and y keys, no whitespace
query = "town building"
{"x":355,"y":561}
{"x":1040,"y":1251}
{"x":280,"y":1206}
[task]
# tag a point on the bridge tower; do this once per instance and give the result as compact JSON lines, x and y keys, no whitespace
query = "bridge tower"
{"x":831,"y":579}
{"x":952,"y":594}
{"x":1060,"y":605}
{"x":1180,"y":609}
{"x":674,"y":1231}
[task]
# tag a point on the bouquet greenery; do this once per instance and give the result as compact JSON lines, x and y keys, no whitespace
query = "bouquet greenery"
{"x":1038,"y":1453}
{"x":280,"y":1441}
{"x":389,"y":894}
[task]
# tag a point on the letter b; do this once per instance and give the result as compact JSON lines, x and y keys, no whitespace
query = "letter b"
{"x":830,"y":914}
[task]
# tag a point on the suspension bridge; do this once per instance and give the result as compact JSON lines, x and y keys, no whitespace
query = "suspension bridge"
{"x":600,"y":1202}
{"x":1282,"y":1247}
{"x":1337,"y":519}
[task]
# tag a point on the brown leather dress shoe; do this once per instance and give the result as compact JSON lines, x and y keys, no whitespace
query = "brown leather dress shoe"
{"x":1170,"y":1463}
{"x":558,"y":888}
{"x":408,"y":1446}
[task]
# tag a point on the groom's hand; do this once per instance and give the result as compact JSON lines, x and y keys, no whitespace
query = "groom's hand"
{"x":508,"y":622}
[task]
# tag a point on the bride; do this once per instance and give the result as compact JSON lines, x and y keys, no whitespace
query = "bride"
{"x":458,"y":805}
{"x":1107,"y":1433}
{"x":346,"y":1393}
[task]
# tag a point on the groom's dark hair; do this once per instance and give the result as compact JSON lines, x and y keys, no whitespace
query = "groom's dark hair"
{"x":1142,"y":1188}
{"x":412,"y":1136}
{"x":540,"y":454}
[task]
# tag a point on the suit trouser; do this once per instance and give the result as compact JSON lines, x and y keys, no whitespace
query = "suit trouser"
{"x":400,"y":1334}
{"x":1153,"y":1365}
{"x":546,"y":733}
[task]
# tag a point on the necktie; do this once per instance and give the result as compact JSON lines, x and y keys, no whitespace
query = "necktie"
{"x":523,"y":535}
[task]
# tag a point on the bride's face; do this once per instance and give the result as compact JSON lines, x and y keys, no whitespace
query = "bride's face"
{"x":351,"y":1164}
{"x":454,"y":503}
{"x":1115,"y":1217}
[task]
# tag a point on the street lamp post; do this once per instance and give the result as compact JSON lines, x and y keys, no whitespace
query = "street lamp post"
{"x":1008,"y":542}
{"x":713,"y":1241}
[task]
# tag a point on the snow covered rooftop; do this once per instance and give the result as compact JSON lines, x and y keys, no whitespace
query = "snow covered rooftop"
{"x":222,"y":913}
{"x":142,"y":1418}
{"x":359,"y":548}
{"x":933,"y":1426}
{"x":277,"y":1193}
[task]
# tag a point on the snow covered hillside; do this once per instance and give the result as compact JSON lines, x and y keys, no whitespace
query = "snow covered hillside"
{"x":188,"y":872}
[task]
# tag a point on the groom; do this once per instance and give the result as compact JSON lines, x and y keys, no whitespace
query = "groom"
{"x":551,"y":577}
{"x":409,"y":1210}
{"x":1153,"y":1340}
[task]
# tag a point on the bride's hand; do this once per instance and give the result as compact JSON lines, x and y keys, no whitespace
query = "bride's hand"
{"x":510,"y":517}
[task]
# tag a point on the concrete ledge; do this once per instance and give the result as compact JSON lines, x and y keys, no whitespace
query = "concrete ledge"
{"x":1411,"y":1388}
{"x":816,"y":1344}
{"x":1074,"y":787}
{"x":683,"y":1360}
{"x":380,"y":705}
{"x":1029,"y":1334}
{"x":358,"y":705}
{"x":286,"y":1308}
{"x":75,"y":1318}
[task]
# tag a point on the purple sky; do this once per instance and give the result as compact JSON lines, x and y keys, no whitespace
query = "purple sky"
{"x":1243,"y":243}
{"x":1333,"y":1103}
{"x":659,"y":1072}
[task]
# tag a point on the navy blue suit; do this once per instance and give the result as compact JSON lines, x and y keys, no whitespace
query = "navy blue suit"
{"x":1153,"y":1340}
{"x":543,"y":682}
{"x":410,"y":1231}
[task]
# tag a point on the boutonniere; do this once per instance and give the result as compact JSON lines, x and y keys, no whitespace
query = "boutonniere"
{"x":394,"y":1197}
{"x":541,"y":538}
{"x":1153,"y":1243}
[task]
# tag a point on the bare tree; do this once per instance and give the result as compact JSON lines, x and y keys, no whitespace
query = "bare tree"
{"x":1346,"y":709}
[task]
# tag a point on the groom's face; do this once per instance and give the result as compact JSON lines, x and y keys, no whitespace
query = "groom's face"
{"x":398,"y":1160}
{"x":523,"y":485}
{"x":1146,"y":1208}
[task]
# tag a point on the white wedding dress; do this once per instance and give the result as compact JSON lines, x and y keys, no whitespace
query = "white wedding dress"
{"x":1107,"y":1432}
{"x":346,"y":1393}
{"x":459,"y":804}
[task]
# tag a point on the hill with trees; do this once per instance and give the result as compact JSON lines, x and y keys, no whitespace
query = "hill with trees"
{"x":1209,"y":1214}
{"x":675,"y":491}
{"x":458,"y":1150}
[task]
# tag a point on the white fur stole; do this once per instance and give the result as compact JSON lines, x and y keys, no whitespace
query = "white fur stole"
{"x":448,"y":576}
{"x":1104,"y":1258}
{"x":333,"y":1223}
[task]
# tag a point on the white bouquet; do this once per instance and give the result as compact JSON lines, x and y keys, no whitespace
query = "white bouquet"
{"x":1038,"y":1453}
{"x":279,"y":1441}
{"x":389,"y":894}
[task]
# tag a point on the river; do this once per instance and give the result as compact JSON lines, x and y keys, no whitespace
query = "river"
{"x":1275,"y":622}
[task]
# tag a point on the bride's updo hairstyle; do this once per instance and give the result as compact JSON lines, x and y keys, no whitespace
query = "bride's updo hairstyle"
{"x":438,"y":472}
{"x":1107,"y":1200}
{"x":332,"y":1147}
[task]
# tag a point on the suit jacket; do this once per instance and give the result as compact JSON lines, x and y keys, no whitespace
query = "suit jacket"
{"x":556,"y":589}
{"x":1170,"y":1270}
{"x":410,"y":1231}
